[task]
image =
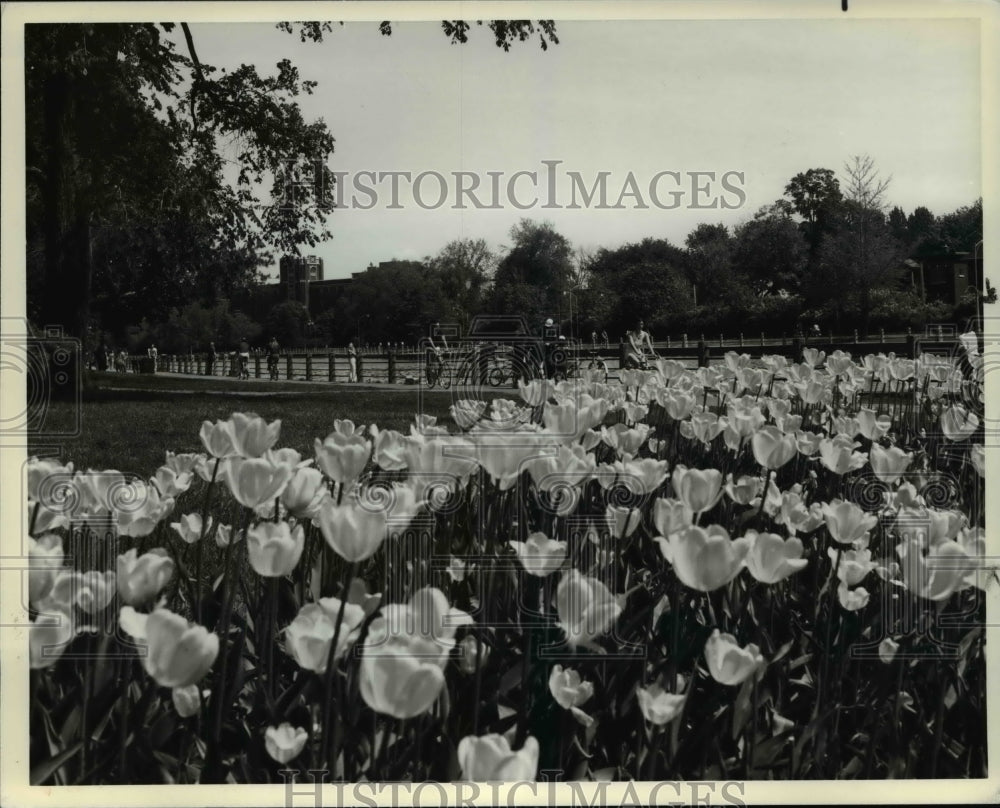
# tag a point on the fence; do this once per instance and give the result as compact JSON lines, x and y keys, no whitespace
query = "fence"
{"x":401,"y":364}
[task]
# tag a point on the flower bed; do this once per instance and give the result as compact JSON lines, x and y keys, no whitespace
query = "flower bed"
{"x":755,"y":570}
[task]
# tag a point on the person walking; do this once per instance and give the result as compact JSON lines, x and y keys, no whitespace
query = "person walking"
{"x":273,"y":352}
{"x":604,"y":336}
{"x":244,"y":359}
{"x":210,"y":369}
{"x":352,"y":362}
{"x":153,"y":355}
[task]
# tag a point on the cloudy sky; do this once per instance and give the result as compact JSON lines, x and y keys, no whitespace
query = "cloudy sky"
{"x":765,"y":99}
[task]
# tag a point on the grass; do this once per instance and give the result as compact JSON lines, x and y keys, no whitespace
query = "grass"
{"x":127,"y":422}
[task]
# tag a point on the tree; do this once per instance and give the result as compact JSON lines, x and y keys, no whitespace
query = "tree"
{"x":644,"y":280}
{"x":861,"y":255}
{"x":815,"y":195}
{"x":710,"y":267}
{"x":464,"y":269}
{"x":288,"y":323}
{"x":770,"y":252}
{"x":536,"y":271}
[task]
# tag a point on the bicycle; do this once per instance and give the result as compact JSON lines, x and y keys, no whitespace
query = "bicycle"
{"x":438,"y":373}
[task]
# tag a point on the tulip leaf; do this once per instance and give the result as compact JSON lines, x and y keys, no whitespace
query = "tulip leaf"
{"x":742,"y":707}
{"x":43,"y":771}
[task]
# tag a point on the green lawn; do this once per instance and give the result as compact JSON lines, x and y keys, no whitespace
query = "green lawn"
{"x":130,"y":429}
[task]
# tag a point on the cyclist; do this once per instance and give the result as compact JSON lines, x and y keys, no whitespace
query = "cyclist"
{"x":273,"y":352}
{"x":244,"y":359}
{"x":639,"y":342}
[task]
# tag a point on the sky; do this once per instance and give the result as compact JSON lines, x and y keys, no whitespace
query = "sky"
{"x":756,"y":101}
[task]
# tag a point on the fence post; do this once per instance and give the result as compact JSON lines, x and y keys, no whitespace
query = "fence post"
{"x":684,"y":337}
{"x":881,"y":334}
{"x":911,"y":344}
{"x":668,"y":342}
{"x":361,"y":369}
{"x":392,"y":366}
{"x":720,"y":340}
{"x":256,"y":367}
{"x":309,"y":367}
{"x":702,"y":352}
{"x":288,"y":367}
{"x":741,"y":339}
{"x":330,"y":367}
{"x":761,"y":339}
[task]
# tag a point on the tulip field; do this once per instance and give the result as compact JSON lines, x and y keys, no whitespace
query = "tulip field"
{"x":759,"y":570}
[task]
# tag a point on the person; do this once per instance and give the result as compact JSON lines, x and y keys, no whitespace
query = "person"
{"x":815,"y":330}
{"x":434,"y":361}
{"x":639,"y":341}
{"x":210,"y":370}
{"x":152,"y":355}
{"x":598,"y":364}
{"x":273,"y":352}
{"x":122,"y":361}
{"x":244,"y":359}
{"x":604,"y":336}
{"x":593,"y":338}
{"x":352,"y":361}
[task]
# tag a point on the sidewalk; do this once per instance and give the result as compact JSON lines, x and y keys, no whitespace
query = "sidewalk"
{"x":228,"y":385}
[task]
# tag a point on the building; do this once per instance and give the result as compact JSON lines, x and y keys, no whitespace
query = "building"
{"x":946,"y":277}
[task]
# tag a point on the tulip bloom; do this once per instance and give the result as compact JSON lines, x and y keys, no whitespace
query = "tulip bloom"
{"x":309,"y":636}
{"x":187,"y":700}
{"x":217,"y":438}
{"x":46,"y":559}
{"x":838,"y":454}
{"x":142,"y":578}
{"x":342,"y":458}
{"x":658,"y":706}
{"x":704,"y":559}
{"x":145,"y":511}
{"x":889,"y":464}
{"x":539,"y":555}
{"x":671,"y":516}
{"x":772,"y":448}
{"x":727,"y":662}
{"x":846,"y":521}
{"x":852,"y":599}
{"x":252,"y":435}
{"x":401,"y":676}
{"x":472,"y":651}
{"x":887,"y":650}
{"x":938,"y":575}
{"x":854,"y":565}
{"x":586,"y":608}
{"x":356,"y":529}
{"x":389,"y":449}
{"x":622,"y":522}
{"x":568,"y":689}
{"x":171,"y":483}
{"x":92,"y":591}
{"x":536,"y":392}
{"x":256,"y":481}
{"x":48,"y":637}
{"x":189,"y":527}
{"x":647,"y":474}
{"x":274,"y":548}
{"x":490,"y":758}
{"x":699,"y":490}
{"x":743,"y":491}
{"x":285,"y":742}
{"x":872,"y":426}
{"x":773,"y":558}
{"x":958,"y":423}
{"x":178,"y":653}
{"x":304,"y":493}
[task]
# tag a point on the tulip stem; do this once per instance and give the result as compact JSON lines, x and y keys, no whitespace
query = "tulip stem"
{"x":331,"y":669}
{"x":214,"y":757}
{"x":123,"y":735}
{"x":201,"y":541}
